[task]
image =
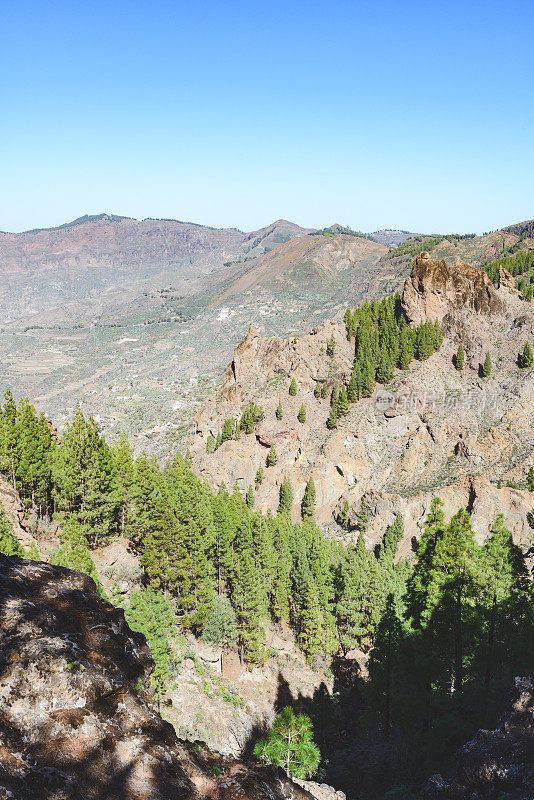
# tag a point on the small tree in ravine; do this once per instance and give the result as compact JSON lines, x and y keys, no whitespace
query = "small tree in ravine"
{"x":9,"y":544}
{"x":362,"y":517}
{"x":343,"y":403}
{"x":301,"y":416}
{"x":526,"y":359}
{"x":459,"y":358}
{"x":259,"y":476}
{"x":331,"y":347}
{"x":308,"y":500}
{"x":331,"y":422}
{"x":272,"y":458}
{"x":289,"y":744}
{"x":530,"y":479}
{"x":210,"y":444}
{"x":293,"y":387}
{"x":286,"y":497}
{"x":249,"y":499}
{"x":220,"y":627}
{"x":279,"y":413}
{"x":324,"y":391}
{"x":485,"y":372}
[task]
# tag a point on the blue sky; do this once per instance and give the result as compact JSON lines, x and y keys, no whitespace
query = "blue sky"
{"x":413,"y":115}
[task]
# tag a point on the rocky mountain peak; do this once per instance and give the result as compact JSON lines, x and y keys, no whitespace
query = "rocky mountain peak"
{"x":436,"y":288}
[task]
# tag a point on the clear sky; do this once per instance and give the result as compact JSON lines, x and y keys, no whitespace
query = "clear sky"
{"x":412,"y":115}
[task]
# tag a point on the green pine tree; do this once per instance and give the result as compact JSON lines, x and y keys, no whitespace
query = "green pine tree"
{"x":343,"y":403}
{"x":331,"y":347}
{"x":459,"y":358}
{"x":293,"y":387}
{"x":272,"y":458}
{"x":249,"y":498}
{"x":308,"y":500}
{"x":289,"y":744}
{"x":486,"y":367}
{"x":301,"y":416}
{"x":279,"y":413}
{"x":286,"y":497}
{"x":526,"y":359}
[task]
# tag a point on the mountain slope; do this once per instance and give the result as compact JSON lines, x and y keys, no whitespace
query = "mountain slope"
{"x":430,"y":427}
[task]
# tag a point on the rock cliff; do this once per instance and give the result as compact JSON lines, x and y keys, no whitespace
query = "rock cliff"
{"x":498,"y":763}
{"x":431,"y":430}
{"x":76,"y":718}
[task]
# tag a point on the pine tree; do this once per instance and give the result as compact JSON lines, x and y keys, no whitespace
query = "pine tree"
{"x":343,"y":403}
{"x":9,"y":544}
{"x":343,"y":517}
{"x":362,"y":517}
{"x":286,"y":497}
{"x":368,"y":378}
{"x":210,"y":444}
{"x":355,"y":384}
{"x":293,"y":387}
{"x":334,"y":397}
{"x":249,"y":499}
{"x":424,"y":341}
{"x":390,"y":541}
{"x":272,"y":458}
{"x":317,"y":391}
{"x":301,"y":416}
{"x":530,"y":479}
{"x":151,"y":613}
{"x":331,"y":347}
{"x":324,"y":390}
{"x":331,"y":422}
{"x":505,"y":579}
{"x":279,"y":413}
{"x":406,"y":351}
{"x":259,"y":476}
{"x":289,"y":744}
{"x":384,"y":663}
{"x":526,"y":359}
{"x":459,"y":358}
{"x":349,"y":604}
{"x":486,"y":367}
{"x":384,"y":369}
{"x":308,"y":500}
{"x":220,"y":627}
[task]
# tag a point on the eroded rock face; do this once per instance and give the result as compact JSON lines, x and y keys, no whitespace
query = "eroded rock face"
{"x":495,"y":764}
{"x":76,"y":719}
{"x":431,"y":431}
{"x":436,"y":288}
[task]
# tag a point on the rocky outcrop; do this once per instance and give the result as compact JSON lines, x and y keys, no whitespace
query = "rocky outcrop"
{"x":76,"y":718}
{"x":498,"y":763}
{"x":431,"y":431}
{"x":436,"y":288}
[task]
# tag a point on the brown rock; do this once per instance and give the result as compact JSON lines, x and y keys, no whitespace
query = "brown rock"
{"x":436,"y":288}
{"x":231,"y":666}
{"x":76,"y":713}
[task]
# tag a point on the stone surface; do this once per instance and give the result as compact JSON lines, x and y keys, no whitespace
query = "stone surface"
{"x":430,"y":431}
{"x":76,"y":717}
{"x":498,"y":763}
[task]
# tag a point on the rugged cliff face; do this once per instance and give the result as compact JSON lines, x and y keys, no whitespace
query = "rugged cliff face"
{"x":75,"y":713}
{"x":498,"y":763}
{"x":436,"y":289}
{"x":431,"y":430}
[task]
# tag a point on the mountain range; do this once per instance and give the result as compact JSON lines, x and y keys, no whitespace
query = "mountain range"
{"x":137,"y":319}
